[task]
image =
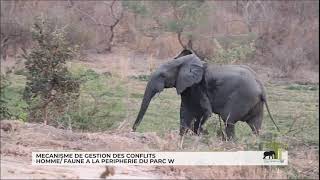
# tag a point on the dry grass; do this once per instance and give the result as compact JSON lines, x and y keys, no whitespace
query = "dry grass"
{"x":303,"y":163}
{"x":19,"y":142}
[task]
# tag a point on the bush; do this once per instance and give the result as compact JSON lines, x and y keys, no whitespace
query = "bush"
{"x":12,"y":104}
{"x":4,"y":111}
{"x":100,"y":104}
{"x":49,"y":83}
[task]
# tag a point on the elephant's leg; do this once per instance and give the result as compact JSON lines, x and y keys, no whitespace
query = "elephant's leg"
{"x":205,"y":106}
{"x":254,"y":117}
{"x":203,"y":113}
{"x":183,"y":126}
{"x":235,"y":109}
{"x":203,"y":121}
{"x":230,"y":131}
{"x":229,"y":122}
{"x":185,"y":121}
{"x":230,"y":117}
{"x":201,"y":106}
{"x":197,"y":129}
{"x":197,"y":125}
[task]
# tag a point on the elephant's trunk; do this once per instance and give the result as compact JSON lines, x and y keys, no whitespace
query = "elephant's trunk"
{"x":148,"y":95}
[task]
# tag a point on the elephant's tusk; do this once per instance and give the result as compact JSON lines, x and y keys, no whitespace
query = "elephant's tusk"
{"x":181,"y":142}
{"x":157,"y":95}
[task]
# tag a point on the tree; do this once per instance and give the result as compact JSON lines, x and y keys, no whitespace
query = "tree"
{"x":186,"y":15}
{"x":48,"y":81}
{"x":179,"y":17}
{"x":107,"y":20}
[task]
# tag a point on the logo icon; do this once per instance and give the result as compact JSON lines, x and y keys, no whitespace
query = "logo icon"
{"x":274,"y":151}
{"x":269,"y":154}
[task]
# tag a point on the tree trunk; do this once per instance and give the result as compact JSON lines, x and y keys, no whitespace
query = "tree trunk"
{"x":180,"y":40}
{"x":45,"y":115}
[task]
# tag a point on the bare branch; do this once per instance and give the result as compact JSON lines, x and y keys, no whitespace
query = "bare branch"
{"x":86,"y":14}
{"x":112,"y":26}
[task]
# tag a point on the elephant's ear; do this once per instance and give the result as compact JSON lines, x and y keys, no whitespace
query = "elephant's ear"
{"x":189,"y":73}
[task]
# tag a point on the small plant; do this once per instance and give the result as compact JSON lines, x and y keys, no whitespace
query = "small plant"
{"x":49,"y":83}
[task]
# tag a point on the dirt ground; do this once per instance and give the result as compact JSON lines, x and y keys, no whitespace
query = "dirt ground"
{"x":18,"y":142}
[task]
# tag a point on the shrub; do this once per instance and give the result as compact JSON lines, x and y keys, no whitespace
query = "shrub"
{"x":12,"y":104}
{"x":100,"y":104}
{"x":49,"y":83}
{"x":4,"y":111}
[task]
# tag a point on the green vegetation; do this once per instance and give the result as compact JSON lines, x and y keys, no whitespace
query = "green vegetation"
{"x":49,"y":85}
{"x":4,"y":111}
{"x":303,"y":87}
{"x":100,"y":105}
{"x":141,"y":77}
{"x":136,"y":7}
{"x":106,"y":101}
{"x":13,"y":95}
{"x":101,"y":101}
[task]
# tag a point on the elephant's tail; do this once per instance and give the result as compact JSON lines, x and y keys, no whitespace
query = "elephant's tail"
{"x":265,"y":102}
{"x":264,"y":99}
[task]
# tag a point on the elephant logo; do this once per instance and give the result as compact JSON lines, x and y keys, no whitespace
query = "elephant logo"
{"x":269,"y":154}
{"x":275,"y":150}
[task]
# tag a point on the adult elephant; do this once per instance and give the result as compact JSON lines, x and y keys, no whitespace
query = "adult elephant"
{"x":231,"y":91}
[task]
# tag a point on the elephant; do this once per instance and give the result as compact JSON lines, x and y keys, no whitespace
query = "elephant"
{"x":269,"y":154}
{"x":231,"y":91}
{"x":194,"y":104}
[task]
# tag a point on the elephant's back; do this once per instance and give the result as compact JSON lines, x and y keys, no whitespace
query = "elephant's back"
{"x":234,"y":74}
{"x":235,"y":70}
{"x":225,"y":80}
